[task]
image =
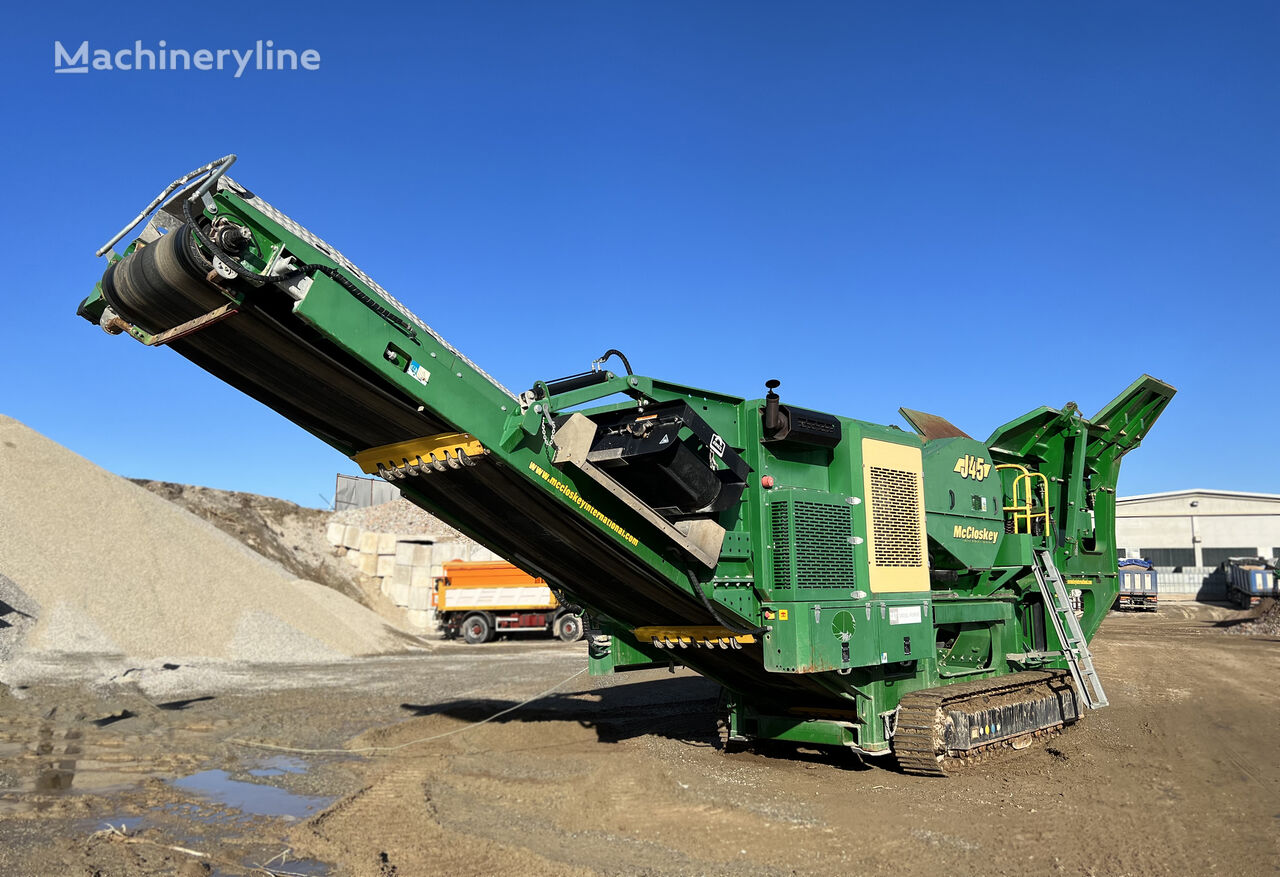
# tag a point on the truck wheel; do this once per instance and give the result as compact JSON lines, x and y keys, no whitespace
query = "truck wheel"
{"x":476,"y":629}
{"x":569,"y":627}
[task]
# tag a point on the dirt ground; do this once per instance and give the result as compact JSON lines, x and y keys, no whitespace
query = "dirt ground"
{"x":618,"y":776}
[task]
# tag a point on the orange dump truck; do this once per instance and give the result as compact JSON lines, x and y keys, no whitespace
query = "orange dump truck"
{"x":481,"y":599}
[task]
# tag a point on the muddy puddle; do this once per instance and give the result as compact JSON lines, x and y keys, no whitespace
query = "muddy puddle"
{"x":256,"y":798}
{"x":38,"y":766}
{"x":131,"y":789}
{"x":218,"y":803}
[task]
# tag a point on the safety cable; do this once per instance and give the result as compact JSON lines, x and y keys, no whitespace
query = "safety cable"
{"x":273,"y":747}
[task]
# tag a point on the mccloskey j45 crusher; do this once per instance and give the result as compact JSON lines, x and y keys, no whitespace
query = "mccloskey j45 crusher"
{"x":922,"y":593}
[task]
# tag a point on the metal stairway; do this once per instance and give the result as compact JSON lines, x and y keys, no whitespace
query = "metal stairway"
{"x":1067,"y":626}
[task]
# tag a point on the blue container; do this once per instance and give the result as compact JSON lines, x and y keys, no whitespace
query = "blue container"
{"x":1138,"y":587}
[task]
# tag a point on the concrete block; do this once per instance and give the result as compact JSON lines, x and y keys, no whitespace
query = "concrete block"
{"x":353,"y":558}
{"x":419,"y":598}
{"x":400,"y":594}
{"x":413,"y":553}
{"x":335,"y":533}
{"x":387,"y":543}
{"x":351,"y":536}
{"x":404,"y":553}
{"x":368,"y":564}
{"x":421,"y":577}
{"x":386,"y":565}
{"x":419,"y":619}
{"x":402,"y":574}
{"x":385,"y":586}
{"x":444,"y":552}
{"x":369,"y":543}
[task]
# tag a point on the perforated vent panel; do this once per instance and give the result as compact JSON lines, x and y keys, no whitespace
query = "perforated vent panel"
{"x":780,"y":522}
{"x":895,"y":518}
{"x":812,"y":544}
{"x":893,"y":477}
{"x":824,"y":555}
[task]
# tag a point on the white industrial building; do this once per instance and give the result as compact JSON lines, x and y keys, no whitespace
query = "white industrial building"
{"x":1186,"y":534}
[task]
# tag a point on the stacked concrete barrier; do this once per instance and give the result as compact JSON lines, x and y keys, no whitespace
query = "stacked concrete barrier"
{"x":406,"y":567}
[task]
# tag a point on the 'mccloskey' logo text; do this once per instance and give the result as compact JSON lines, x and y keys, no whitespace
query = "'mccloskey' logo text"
{"x":262,"y":56}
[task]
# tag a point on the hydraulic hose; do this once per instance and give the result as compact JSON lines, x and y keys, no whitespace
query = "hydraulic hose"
{"x":728,"y":625}
{"x":618,"y":353}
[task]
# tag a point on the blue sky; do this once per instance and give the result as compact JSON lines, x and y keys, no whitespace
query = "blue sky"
{"x":969,"y":209}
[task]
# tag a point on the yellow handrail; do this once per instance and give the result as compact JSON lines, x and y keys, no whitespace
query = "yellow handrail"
{"x":1023,"y":512}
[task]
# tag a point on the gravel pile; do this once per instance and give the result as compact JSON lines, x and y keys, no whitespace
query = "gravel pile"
{"x":111,"y":569}
{"x":279,"y":530}
{"x":1266,"y":624}
{"x":398,"y":516}
{"x":18,"y":614}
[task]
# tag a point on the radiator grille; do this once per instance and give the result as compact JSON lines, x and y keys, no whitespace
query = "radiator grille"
{"x":824,"y":554}
{"x":895,"y":521}
{"x":812,"y":546}
{"x":780,"y":521}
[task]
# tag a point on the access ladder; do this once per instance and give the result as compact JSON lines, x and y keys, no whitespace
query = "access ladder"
{"x":1067,"y":626}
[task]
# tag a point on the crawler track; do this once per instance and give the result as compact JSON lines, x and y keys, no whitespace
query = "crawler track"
{"x":942,"y":730}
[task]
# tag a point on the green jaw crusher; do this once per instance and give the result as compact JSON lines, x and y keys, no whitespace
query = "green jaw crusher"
{"x":922,"y":593}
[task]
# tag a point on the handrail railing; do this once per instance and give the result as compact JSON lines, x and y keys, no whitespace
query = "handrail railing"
{"x":1024,"y":512}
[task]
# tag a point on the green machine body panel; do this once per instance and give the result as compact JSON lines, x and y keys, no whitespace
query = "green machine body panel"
{"x":963,"y":501}
{"x":820,"y":568}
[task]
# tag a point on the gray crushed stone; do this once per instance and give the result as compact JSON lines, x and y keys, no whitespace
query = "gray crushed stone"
{"x":18,"y":615}
{"x":117,"y":570}
{"x":398,"y":516}
{"x":265,"y":638}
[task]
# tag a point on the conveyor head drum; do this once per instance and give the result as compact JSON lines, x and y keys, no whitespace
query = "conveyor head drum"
{"x":162,"y":284}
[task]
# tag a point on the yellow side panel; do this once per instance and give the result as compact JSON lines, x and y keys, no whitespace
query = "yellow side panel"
{"x":897,"y":545}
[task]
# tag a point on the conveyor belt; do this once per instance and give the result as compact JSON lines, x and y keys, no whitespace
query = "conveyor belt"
{"x":346,"y":264}
{"x":503,"y":510}
{"x":277,"y":360}
{"x":272,"y":356}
